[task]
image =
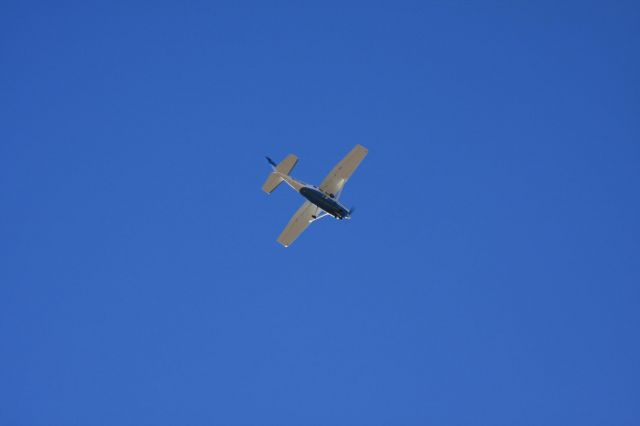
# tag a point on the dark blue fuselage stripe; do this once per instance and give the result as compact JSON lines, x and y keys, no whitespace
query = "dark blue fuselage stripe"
{"x":325,"y":202}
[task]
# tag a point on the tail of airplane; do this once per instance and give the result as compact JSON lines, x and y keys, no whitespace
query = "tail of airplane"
{"x":275,"y":178}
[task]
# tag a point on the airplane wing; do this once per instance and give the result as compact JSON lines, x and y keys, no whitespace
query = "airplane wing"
{"x":297,"y":224}
{"x":335,"y":181}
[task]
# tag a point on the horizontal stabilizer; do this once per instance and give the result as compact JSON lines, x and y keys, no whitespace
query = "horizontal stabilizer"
{"x":284,"y":168}
{"x":287,"y":164}
{"x":272,"y":183}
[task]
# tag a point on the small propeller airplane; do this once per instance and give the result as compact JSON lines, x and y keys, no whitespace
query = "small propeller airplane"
{"x":320,"y":201}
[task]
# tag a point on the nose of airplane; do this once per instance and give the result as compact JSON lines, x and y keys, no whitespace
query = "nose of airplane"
{"x":347,"y":214}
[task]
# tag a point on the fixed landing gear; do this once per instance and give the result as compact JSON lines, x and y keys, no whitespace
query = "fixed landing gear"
{"x":320,"y":215}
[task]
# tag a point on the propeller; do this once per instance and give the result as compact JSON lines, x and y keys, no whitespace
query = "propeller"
{"x":351,"y":210}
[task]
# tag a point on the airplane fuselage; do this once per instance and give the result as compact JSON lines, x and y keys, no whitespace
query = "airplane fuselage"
{"x":325,"y":202}
{"x":318,"y":198}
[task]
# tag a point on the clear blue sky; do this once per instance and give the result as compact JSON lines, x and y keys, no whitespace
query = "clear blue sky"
{"x":491,"y":272}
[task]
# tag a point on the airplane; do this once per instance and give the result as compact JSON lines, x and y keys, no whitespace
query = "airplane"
{"x":321,"y":200}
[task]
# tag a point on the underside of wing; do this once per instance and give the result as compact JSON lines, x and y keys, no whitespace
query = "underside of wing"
{"x":335,"y":181}
{"x":297,"y":224}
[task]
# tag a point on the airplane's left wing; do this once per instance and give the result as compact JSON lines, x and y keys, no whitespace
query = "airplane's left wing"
{"x":335,"y":181}
{"x":297,"y":224}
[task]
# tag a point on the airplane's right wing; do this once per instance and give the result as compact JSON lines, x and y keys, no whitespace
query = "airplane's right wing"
{"x":297,"y":224}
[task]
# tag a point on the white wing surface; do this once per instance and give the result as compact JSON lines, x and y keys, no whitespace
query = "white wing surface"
{"x":335,"y":181}
{"x":297,"y":224}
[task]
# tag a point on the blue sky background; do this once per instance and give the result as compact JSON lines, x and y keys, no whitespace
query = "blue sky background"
{"x":490,"y":273}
